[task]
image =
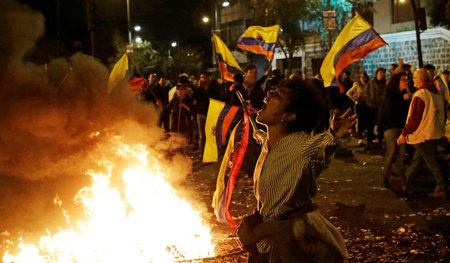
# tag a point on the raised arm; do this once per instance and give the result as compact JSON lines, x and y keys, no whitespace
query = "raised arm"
{"x":321,"y":147}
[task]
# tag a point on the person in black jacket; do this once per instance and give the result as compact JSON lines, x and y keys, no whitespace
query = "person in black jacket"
{"x":208,"y":88}
{"x":237,"y":85}
{"x":392,"y":116}
{"x":180,"y":109}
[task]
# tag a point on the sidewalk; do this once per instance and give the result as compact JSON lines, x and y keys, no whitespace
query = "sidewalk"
{"x":378,"y":226}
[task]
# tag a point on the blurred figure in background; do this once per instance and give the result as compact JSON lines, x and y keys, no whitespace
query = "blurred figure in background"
{"x":375,"y":89}
{"x":180,"y":110}
{"x":358,"y":94}
{"x":392,"y":116}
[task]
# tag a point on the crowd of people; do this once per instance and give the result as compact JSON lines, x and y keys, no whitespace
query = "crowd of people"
{"x":389,"y":109}
{"x":304,"y":123}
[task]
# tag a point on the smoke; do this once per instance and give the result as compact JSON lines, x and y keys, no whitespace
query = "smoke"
{"x":56,"y":119}
{"x":21,"y":26}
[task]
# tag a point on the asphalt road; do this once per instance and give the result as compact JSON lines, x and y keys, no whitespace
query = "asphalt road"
{"x":377,"y":224}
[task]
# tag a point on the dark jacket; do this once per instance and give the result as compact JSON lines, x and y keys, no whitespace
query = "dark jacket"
{"x":257,"y":94}
{"x":202,"y":97}
{"x":179,"y":115}
{"x":393,"y":109}
{"x":233,"y":98}
{"x":375,"y":89}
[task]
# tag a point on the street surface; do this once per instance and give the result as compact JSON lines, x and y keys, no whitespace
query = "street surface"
{"x":377,"y":225}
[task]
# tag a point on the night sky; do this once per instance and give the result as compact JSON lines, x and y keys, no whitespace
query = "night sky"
{"x":162,"y":21}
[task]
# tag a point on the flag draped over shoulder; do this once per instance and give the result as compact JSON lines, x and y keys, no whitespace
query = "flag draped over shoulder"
{"x":227,"y":64}
{"x":442,"y":85}
{"x":218,"y":121}
{"x":355,"y":41}
{"x":260,"y":40}
{"x":118,"y":72}
{"x":229,"y":170}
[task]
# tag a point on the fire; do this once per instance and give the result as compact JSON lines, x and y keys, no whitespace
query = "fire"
{"x":142,"y":220}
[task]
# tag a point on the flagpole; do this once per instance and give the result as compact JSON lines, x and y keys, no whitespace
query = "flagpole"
{"x":395,"y":53}
{"x":63,"y":80}
{"x":215,"y":60}
{"x":282,"y":49}
{"x":258,"y":134}
{"x":146,"y":80}
{"x":179,"y":117}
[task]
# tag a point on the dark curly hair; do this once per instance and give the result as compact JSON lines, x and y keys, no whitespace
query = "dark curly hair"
{"x":304,"y":103}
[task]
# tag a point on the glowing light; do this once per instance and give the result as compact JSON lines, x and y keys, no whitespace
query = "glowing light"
{"x":138,"y":218}
{"x":225,"y":3}
{"x":173,"y":44}
{"x":137,"y":28}
{"x":138,"y":39}
{"x":205,"y":19}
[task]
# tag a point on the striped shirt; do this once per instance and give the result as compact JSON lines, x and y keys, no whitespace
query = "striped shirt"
{"x":285,"y":176}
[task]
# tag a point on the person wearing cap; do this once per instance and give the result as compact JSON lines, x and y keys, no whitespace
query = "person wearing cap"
{"x":180,"y":109}
{"x":182,"y":80}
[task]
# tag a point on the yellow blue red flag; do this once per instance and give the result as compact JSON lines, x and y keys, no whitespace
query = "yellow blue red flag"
{"x":227,"y":64}
{"x":442,"y":85}
{"x":118,"y":72}
{"x":229,"y":170}
{"x":355,"y":41}
{"x":218,"y":121}
{"x":260,"y":40}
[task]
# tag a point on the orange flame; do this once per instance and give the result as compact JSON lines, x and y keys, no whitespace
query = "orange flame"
{"x":145,"y":222}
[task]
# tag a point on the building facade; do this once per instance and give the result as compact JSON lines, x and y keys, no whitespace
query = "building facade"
{"x":392,"y":19}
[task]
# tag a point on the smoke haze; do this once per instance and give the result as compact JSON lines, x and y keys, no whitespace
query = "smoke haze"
{"x":49,"y":113}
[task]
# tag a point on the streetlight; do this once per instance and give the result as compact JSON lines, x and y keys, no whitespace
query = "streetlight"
{"x":225,"y":3}
{"x":137,"y":28}
{"x":205,"y":19}
{"x":173,"y":44}
{"x":138,"y":39}
{"x":129,"y":23}
{"x":416,"y":25}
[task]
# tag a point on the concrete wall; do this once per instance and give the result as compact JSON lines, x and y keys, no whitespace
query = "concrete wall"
{"x":435,"y":50}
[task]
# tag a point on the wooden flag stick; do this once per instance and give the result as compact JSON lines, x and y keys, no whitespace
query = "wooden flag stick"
{"x":282,"y":49}
{"x":244,"y":105}
{"x":395,"y":53}
{"x":63,"y":80}
{"x":258,"y":134}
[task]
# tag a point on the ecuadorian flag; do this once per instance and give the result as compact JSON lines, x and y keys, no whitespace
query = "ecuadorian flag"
{"x":229,"y":170}
{"x":227,"y":64}
{"x":442,"y":85}
{"x":118,"y":72}
{"x":260,"y":40}
{"x":218,"y":121}
{"x":355,"y":41}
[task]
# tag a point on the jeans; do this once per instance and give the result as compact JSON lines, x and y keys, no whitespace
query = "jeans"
{"x":363,"y":117}
{"x":371,"y":119}
{"x":428,"y":152}
{"x":394,"y":153}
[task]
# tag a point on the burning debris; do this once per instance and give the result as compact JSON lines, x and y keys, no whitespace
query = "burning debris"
{"x":58,"y":123}
{"x":134,"y":216}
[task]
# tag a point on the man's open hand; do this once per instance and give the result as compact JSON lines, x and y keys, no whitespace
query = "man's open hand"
{"x":343,"y":125}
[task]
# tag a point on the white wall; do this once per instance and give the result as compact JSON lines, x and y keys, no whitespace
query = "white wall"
{"x":382,"y":18}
